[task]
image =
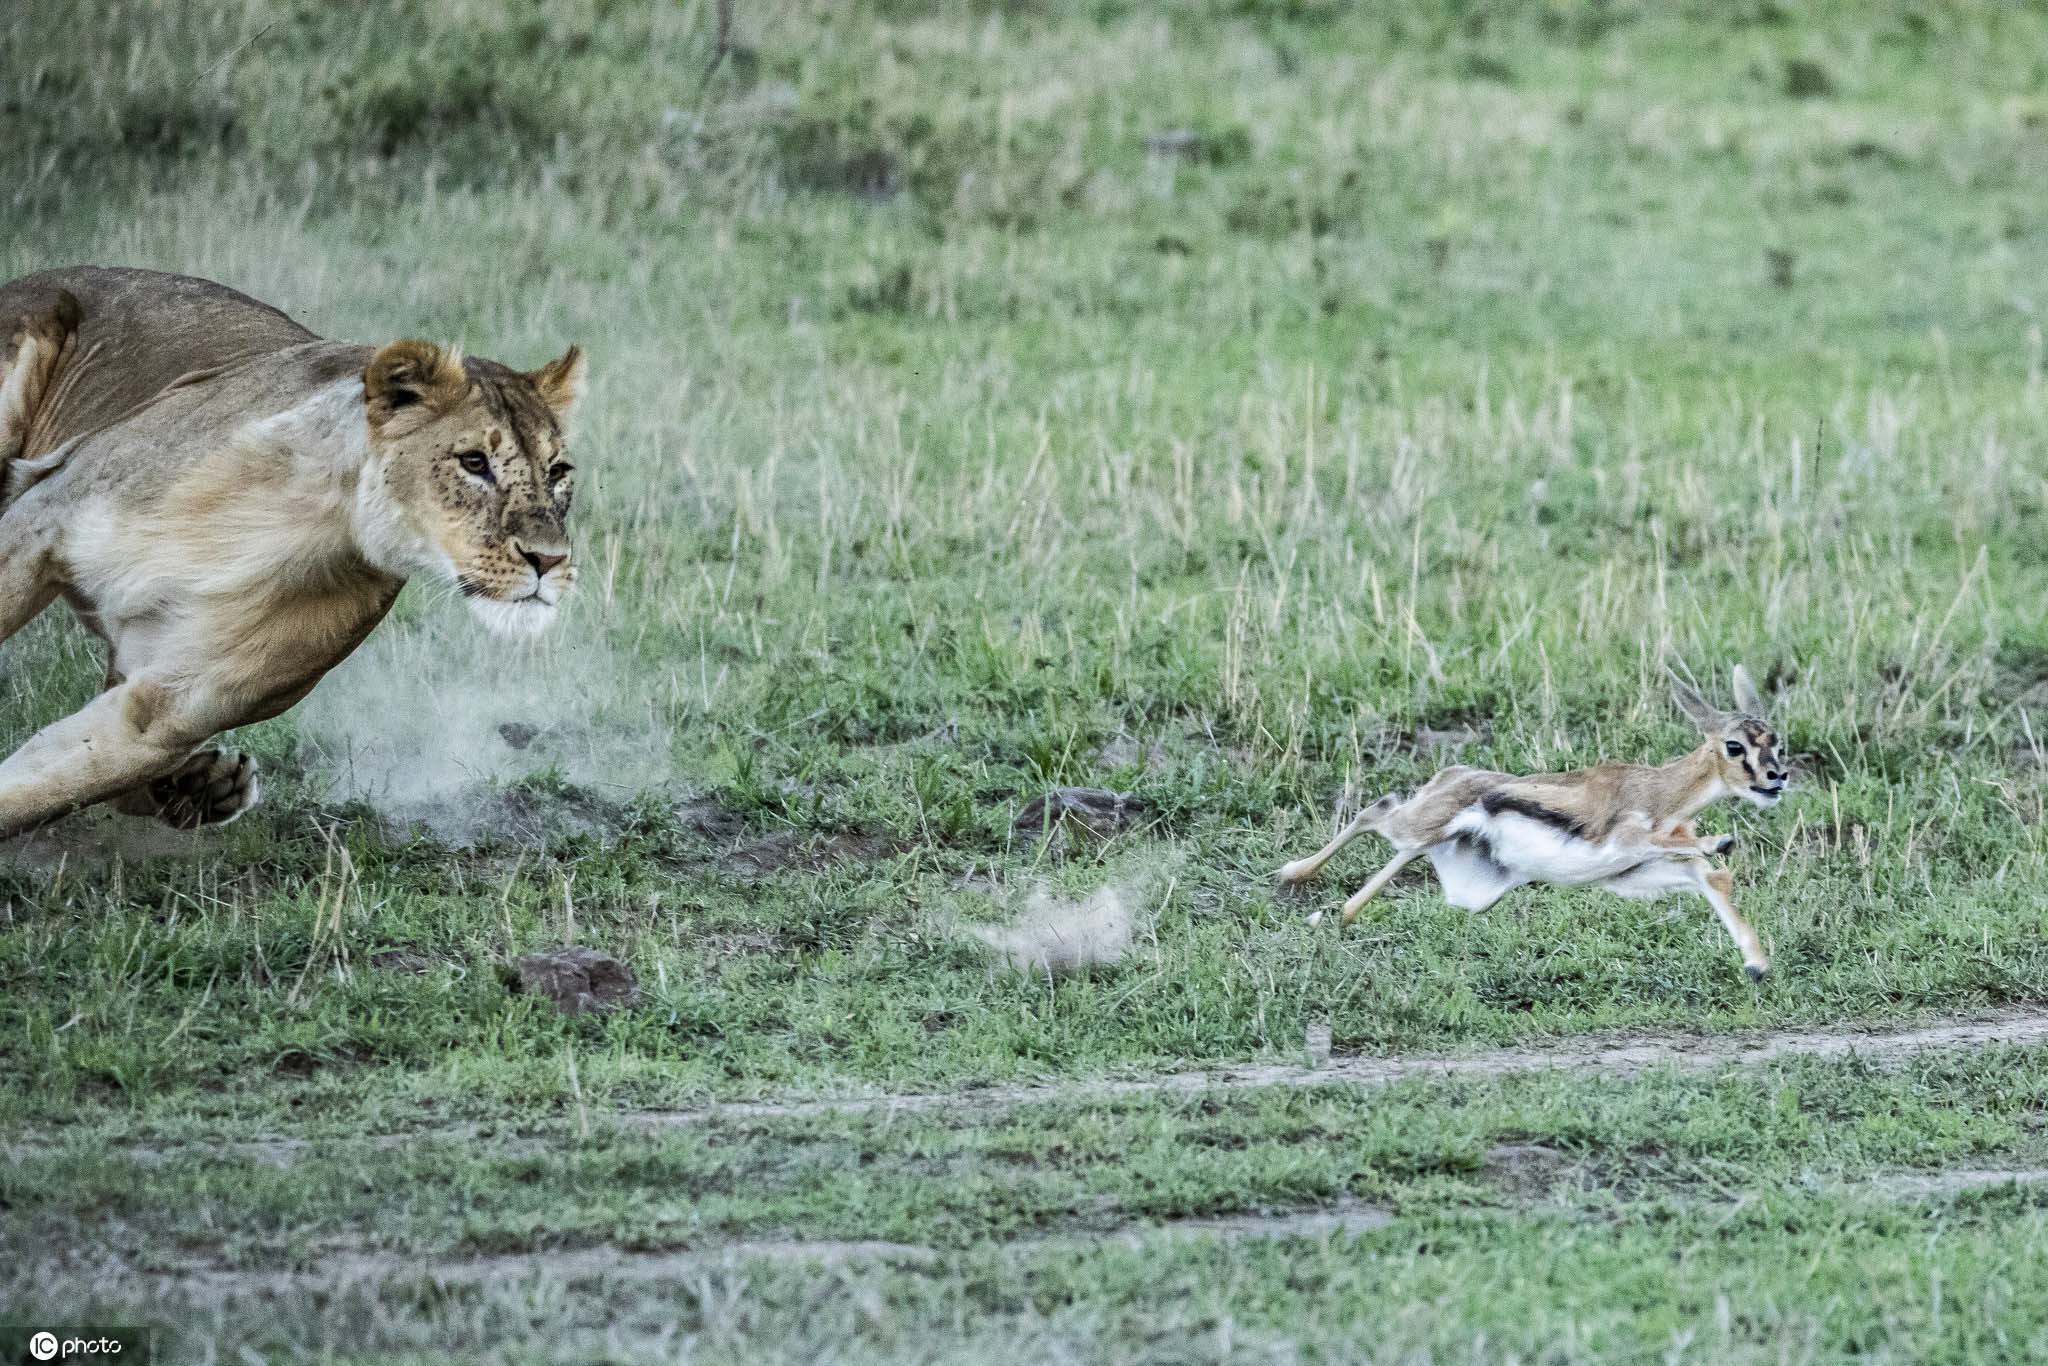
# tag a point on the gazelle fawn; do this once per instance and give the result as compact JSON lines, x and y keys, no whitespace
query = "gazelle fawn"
{"x":1625,"y":827}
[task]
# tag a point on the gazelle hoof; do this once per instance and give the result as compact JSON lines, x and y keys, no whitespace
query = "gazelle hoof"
{"x":1296,"y":871}
{"x":1756,"y":971}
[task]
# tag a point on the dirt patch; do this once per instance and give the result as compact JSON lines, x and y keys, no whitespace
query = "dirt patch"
{"x":480,"y":816}
{"x":410,"y":963}
{"x":336,"y":1271}
{"x":339,"y":1269}
{"x":751,"y":857}
{"x":1128,"y":751}
{"x":1957,"y":1181}
{"x":1342,"y":1219}
{"x":578,"y":980}
{"x":1438,"y":742}
{"x":1526,"y":1170}
{"x":791,"y":849}
{"x":741,"y":943}
{"x":1094,"y":810}
{"x":97,"y":838}
{"x":1608,"y":1055}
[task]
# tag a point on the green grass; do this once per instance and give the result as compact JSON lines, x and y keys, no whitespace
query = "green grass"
{"x":946,"y":442}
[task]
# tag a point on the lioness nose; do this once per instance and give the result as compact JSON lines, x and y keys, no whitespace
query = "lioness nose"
{"x":542,"y":563}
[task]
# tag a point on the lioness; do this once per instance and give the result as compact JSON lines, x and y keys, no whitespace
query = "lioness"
{"x":232,"y":503}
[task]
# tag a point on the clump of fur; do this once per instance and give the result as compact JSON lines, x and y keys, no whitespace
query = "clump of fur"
{"x":1053,"y":935}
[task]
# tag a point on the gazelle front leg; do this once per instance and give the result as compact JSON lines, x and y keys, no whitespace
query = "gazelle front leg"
{"x":1687,"y":837}
{"x":1718,"y":887}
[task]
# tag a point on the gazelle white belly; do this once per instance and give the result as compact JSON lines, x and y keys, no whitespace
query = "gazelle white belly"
{"x":1531,"y":850}
{"x":1656,"y":877}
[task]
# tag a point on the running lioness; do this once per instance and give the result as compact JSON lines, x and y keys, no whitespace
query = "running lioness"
{"x":232,"y":503}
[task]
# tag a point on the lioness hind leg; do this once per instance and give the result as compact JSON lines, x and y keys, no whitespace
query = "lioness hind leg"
{"x":212,"y":787}
{"x":25,"y":586}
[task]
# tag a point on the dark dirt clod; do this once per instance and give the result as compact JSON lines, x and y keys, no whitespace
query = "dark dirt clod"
{"x":518,"y":734}
{"x":1807,"y":80}
{"x":1097,"y":810}
{"x":1782,"y":266}
{"x":578,"y":979}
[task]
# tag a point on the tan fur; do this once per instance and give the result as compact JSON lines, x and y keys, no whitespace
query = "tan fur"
{"x":1625,"y":827}
{"x":232,"y":504}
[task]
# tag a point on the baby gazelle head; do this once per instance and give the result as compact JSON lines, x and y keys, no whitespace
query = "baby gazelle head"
{"x":1742,"y":741}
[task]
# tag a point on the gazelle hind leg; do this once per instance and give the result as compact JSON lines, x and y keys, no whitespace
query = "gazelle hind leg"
{"x":1718,"y":887}
{"x":1304,"y":868}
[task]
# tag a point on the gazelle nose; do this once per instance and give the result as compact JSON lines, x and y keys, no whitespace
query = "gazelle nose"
{"x":542,"y":563}
{"x":1776,"y":775}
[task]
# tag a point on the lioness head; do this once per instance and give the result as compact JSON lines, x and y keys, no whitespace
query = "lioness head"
{"x":469,"y":471}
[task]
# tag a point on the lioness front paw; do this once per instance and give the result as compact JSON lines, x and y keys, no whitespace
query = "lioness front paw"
{"x":211,"y":788}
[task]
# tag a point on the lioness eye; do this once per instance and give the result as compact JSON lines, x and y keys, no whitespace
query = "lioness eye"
{"x":476,"y":463}
{"x":560,"y":472}
{"x":1735,"y":749}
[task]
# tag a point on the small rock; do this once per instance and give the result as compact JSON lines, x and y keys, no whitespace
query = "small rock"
{"x":578,"y":979}
{"x":1097,"y":810}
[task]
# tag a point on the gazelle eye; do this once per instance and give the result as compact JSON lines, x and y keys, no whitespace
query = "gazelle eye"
{"x":1735,"y":749}
{"x":475,"y":462}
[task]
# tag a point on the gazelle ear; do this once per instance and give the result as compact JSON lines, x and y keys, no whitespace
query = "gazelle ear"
{"x":1703,"y":713}
{"x":1745,"y":693}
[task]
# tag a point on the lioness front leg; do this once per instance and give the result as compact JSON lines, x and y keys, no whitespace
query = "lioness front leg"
{"x":123,"y":739}
{"x":212,"y":787}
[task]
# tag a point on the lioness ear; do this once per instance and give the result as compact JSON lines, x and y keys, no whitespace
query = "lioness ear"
{"x":560,"y":381}
{"x":407,"y":372}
